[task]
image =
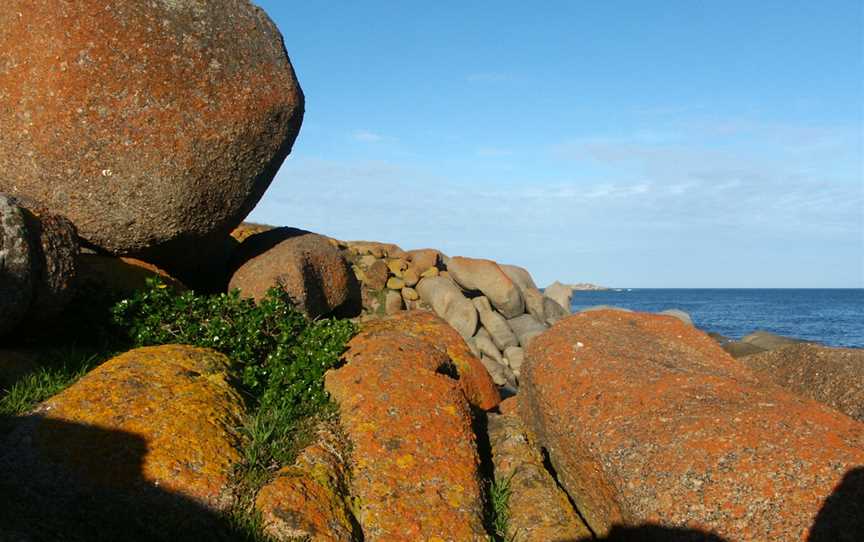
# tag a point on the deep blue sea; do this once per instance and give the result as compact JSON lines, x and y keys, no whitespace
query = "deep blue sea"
{"x":831,"y":317}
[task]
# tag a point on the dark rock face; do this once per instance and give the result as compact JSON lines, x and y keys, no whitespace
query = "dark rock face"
{"x":155,"y":127}
{"x":38,"y":264}
{"x":16,"y":279}
{"x":647,"y":420}
{"x":834,"y":376}
{"x":305,"y":265}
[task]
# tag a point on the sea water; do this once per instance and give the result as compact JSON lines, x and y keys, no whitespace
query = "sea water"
{"x":832,"y":317}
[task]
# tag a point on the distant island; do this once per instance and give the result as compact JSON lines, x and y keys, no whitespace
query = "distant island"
{"x":587,"y":286}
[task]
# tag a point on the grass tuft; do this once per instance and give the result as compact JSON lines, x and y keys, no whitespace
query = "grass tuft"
{"x":499,"y":500}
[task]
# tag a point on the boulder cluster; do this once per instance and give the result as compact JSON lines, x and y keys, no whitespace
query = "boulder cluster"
{"x":136,"y":136}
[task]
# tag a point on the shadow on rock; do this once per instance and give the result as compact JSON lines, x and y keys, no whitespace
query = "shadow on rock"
{"x":49,"y":496}
{"x":841,"y":518}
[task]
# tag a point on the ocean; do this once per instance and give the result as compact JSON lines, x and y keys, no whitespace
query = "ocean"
{"x":832,"y":317}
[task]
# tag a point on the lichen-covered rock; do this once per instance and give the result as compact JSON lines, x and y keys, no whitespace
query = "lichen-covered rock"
{"x":647,"y":420}
{"x":155,"y":127}
{"x":538,"y":510}
{"x":376,"y":249}
{"x":834,"y":376}
{"x":448,"y":302}
{"x":432,"y":330}
{"x":16,"y":275}
{"x":151,"y":429}
{"x":415,"y":462}
{"x":305,"y":265}
{"x":487,"y":277}
{"x":124,"y":275}
{"x":679,"y":314}
{"x":424,"y":258}
{"x":248,"y":229}
{"x":311,"y":498}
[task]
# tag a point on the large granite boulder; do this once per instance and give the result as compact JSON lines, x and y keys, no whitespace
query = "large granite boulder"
{"x":151,"y":431}
{"x":155,"y":127}
{"x":834,"y":376}
{"x":448,"y":302}
{"x":307,"y":266}
{"x":487,"y":277}
{"x":647,"y":420}
{"x":415,"y":461}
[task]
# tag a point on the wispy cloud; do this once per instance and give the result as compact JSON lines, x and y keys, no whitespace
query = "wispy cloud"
{"x":366,"y":136}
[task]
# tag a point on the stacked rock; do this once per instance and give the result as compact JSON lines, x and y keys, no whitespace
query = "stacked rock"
{"x":389,"y":276}
{"x":496,"y":308}
{"x":38,"y":262}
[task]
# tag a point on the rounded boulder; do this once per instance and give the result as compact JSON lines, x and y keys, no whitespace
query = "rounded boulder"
{"x":155,"y":127}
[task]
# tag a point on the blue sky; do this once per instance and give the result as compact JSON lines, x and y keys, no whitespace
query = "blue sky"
{"x":640,"y":144}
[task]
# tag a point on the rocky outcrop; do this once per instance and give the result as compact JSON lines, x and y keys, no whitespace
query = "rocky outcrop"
{"x":768,"y":341}
{"x":166,"y":169}
{"x":415,"y":462}
{"x":487,"y":277}
{"x":647,"y":420}
{"x":311,"y":498}
{"x":150,"y":430}
{"x":448,"y":302}
{"x":307,"y":266}
{"x":834,"y":376}
{"x":537,"y":509}
{"x":679,"y":314}
{"x":560,"y":293}
{"x":38,"y":264}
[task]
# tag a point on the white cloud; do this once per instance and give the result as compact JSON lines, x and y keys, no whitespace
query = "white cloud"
{"x":366,"y":136}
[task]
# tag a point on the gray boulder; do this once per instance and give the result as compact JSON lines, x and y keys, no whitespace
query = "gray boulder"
{"x":487,"y":277}
{"x":448,"y":302}
{"x":561,"y":293}
{"x":514,"y":356}
{"x":520,"y":276}
{"x":553,"y":311}
{"x":495,"y":370}
{"x":769,"y":341}
{"x":16,"y":279}
{"x":526,"y":328}
{"x":495,"y":324}
{"x":487,"y":347}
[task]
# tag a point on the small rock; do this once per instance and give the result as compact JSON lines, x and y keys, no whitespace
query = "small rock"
{"x":495,"y":324}
{"x":514,"y":356}
{"x":487,"y":347}
{"x":377,"y":274}
{"x":392,"y":302}
{"x":425,"y":258}
{"x":410,"y":276}
{"x":431,"y":272}
{"x":397,"y":266}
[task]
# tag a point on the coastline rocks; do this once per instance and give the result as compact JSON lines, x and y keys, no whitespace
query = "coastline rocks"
{"x":769,"y":341}
{"x":415,"y":470}
{"x":560,"y":293}
{"x":488,"y":278}
{"x":424,"y":258}
{"x":311,"y":497}
{"x":647,"y":420}
{"x":39,"y":259}
{"x":304,"y":264}
{"x":495,"y":324}
{"x":538,"y":510}
{"x":526,"y":328}
{"x":156,"y":151}
{"x":833,"y":376}
{"x":152,"y":428}
{"x":448,"y":302}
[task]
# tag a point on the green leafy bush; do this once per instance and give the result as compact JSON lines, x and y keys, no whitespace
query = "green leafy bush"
{"x":280,"y":356}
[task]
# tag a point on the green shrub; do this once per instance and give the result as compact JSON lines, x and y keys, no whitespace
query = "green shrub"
{"x":280,"y":356}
